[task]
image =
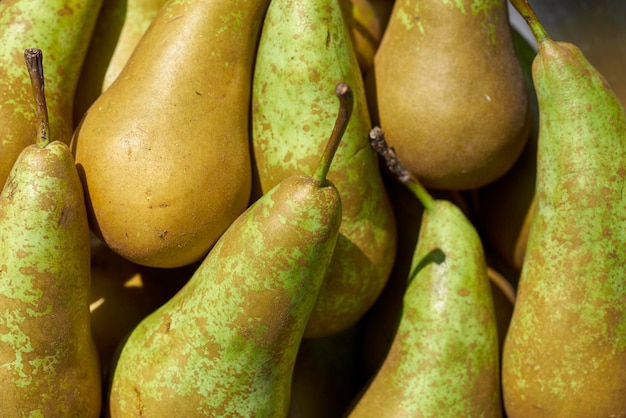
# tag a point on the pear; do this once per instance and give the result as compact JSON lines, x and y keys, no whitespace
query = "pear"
{"x":449,"y":91}
{"x":49,"y":360}
{"x":61,"y":28}
{"x":120,"y":26}
{"x":174,"y":130}
{"x":565,"y":352}
{"x":304,"y":46}
{"x":226,"y":344}
{"x":443,"y":361}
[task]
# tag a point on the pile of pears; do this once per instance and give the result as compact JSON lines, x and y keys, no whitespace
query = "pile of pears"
{"x":307,"y":208}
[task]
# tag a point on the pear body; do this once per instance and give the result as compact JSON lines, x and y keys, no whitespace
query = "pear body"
{"x":226,"y":344}
{"x":461,"y":120}
{"x":120,"y":26}
{"x":444,"y":359}
{"x":60,"y":28}
{"x":164,"y":151}
{"x":565,"y":352}
{"x":49,"y":362}
{"x":304,"y":48}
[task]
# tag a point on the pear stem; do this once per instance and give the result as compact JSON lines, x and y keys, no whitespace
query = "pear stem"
{"x":524,"y":9}
{"x":34,"y":63}
{"x":346,"y":104}
{"x":377,"y":139}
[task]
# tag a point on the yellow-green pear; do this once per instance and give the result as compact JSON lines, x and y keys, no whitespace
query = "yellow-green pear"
{"x":60,"y":28}
{"x":565,"y":351}
{"x":444,"y":358}
{"x":48,"y":361}
{"x":305,"y":46}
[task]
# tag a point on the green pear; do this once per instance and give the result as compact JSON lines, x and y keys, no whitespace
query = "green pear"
{"x":565,"y":352}
{"x":443,"y":361}
{"x":174,"y":130}
{"x":226,"y":344}
{"x":449,"y":91}
{"x":49,"y":364}
{"x":60,"y":28}
{"x":305,"y":46}
{"x":120,"y":26}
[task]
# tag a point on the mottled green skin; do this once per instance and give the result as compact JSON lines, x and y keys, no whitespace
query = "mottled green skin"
{"x":449,"y":91}
{"x":226,"y":344}
{"x":61,"y":29}
{"x":304,"y":50}
{"x":444,"y":360}
{"x":48,"y":361}
{"x":565,"y":352}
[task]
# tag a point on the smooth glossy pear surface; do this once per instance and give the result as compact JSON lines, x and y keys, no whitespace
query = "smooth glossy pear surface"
{"x":565,"y":352}
{"x":226,"y":344}
{"x":49,"y":362}
{"x":61,"y":28}
{"x":449,"y":91}
{"x":118,"y":30}
{"x":444,"y":359}
{"x":164,"y":151}
{"x":304,"y":48}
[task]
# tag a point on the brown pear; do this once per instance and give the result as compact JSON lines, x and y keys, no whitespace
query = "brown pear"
{"x":163,"y":152}
{"x":449,"y":91}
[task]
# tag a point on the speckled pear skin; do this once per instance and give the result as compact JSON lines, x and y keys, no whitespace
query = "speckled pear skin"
{"x":49,"y":364}
{"x":565,"y":352}
{"x":61,"y":28}
{"x":449,"y":91}
{"x":444,"y":359}
{"x":226,"y":344}
{"x":304,"y":47}
{"x":174,"y":127}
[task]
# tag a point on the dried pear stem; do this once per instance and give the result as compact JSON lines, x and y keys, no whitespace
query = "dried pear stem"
{"x":346,"y":104}
{"x":377,"y":139}
{"x":524,"y":9}
{"x":34,"y":63}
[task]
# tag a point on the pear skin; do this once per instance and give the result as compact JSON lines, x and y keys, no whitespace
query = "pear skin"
{"x":449,"y":91}
{"x":120,"y":26}
{"x":226,"y":344}
{"x":315,"y":33}
{"x":565,"y":352}
{"x":62,"y":29}
{"x":443,"y":361}
{"x":174,"y":130}
{"x":49,"y":361}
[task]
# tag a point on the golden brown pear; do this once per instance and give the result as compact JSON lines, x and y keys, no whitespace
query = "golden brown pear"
{"x":163,"y":152}
{"x":449,"y":91}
